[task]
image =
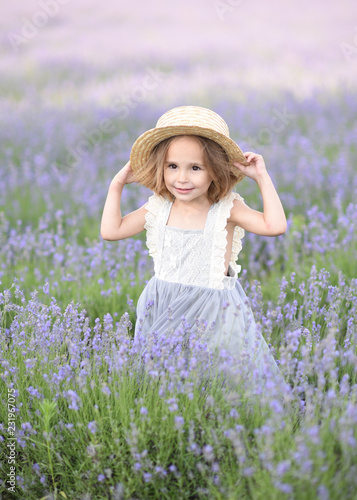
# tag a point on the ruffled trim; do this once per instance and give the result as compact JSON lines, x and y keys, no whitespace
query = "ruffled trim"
{"x":237,"y":239}
{"x":154,"y":209}
{"x":224,"y":208}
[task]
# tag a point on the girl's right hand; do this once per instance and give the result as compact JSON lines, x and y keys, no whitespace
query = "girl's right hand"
{"x":125,"y":175}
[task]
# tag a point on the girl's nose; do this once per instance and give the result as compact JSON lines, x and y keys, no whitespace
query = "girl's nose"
{"x":182,"y":176}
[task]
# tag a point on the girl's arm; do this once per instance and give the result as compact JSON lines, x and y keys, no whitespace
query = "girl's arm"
{"x":272,"y":222}
{"x":114,"y":226}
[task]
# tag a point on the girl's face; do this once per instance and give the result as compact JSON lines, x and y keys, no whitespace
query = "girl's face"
{"x":185,"y":175}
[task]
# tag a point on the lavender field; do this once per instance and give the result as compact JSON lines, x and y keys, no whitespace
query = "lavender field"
{"x":83,"y":417}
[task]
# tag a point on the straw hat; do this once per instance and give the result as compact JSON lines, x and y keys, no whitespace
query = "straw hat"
{"x":187,"y":120}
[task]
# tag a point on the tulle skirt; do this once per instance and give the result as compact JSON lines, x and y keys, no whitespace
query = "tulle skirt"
{"x":222,"y":319}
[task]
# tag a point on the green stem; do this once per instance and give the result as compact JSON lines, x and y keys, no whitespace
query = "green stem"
{"x":48,"y":409}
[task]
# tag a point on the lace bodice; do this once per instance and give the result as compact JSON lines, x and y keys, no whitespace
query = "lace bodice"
{"x":193,"y":257}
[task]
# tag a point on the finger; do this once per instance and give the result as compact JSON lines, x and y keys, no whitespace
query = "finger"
{"x":252,"y":157}
{"x":251,"y":154}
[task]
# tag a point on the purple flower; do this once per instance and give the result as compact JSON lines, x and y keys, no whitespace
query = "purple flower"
{"x":179,"y":422}
{"x":74,"y":398}
{"x":208,"y":452}
{"x":36,"y":468}
{"x":233,"y":413}
{"x":248,"y":471}
{"x":26,"y":426}
{"x":92,"y":426}
{"x":283,"y":467}
{"x":105,"y":389}
{"x":34,"y":392}
{"x":284,"y":487}
{"x":160,"y":471}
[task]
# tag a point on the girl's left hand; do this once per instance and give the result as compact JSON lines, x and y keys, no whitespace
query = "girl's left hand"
{"x":255,"y":169}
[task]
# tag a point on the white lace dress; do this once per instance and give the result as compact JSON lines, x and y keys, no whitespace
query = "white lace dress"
{"x":190,"y":286}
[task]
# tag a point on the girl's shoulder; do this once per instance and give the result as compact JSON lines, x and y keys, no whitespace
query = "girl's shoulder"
{"x":155,"y":204}
{"x":230,"y":198}
{"x":230,"y":205}
{"x":155,"y":200}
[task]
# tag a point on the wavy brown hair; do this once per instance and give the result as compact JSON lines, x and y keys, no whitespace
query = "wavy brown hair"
{"x":215,"y":160}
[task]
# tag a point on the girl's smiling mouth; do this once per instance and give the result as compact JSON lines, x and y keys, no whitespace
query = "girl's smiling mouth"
{"x":183,"y":190}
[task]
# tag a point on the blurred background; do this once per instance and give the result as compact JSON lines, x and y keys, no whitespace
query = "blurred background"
{"x":62,"y":52}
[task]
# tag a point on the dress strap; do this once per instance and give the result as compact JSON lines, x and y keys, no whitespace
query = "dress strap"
{"x":157,"y":211}
{"x":237,"y":237}
{"x":218,"y":234}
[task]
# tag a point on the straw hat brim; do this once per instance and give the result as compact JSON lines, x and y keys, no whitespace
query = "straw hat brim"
{"x":143,"y":146}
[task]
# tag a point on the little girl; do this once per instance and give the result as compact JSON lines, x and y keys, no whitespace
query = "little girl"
{"x":194,"y":225}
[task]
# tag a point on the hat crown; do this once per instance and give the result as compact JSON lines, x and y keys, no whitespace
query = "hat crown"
{"x":193,"y":116}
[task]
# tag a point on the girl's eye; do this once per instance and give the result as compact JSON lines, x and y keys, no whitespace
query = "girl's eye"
{"x":195,"y":168}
